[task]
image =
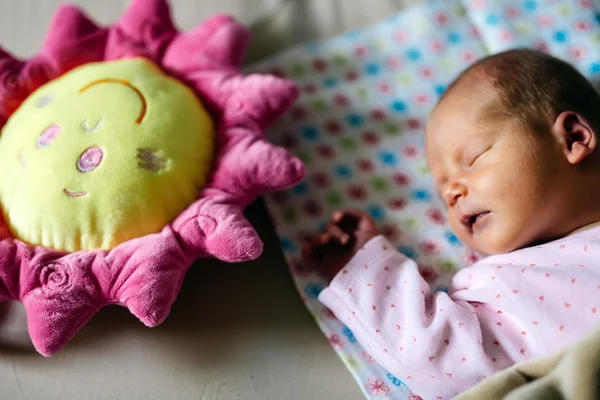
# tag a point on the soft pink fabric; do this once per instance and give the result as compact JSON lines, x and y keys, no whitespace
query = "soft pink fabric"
{"x":62,"y":291}
{"x":500,"y":311}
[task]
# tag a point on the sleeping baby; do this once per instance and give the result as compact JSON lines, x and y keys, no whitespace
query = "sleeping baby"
{"x":513,"y":147}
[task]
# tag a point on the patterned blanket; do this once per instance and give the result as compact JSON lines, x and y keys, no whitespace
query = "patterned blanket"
{"x":359,"y":125}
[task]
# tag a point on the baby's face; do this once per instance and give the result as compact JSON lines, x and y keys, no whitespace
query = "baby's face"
{"x":496,"y":179}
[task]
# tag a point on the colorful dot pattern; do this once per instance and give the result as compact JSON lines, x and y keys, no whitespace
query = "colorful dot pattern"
{"x":359,"y":125}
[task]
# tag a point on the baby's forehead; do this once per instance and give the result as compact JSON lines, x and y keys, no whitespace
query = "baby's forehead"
{"x":460,"y":119}
{"x":469,"y":101}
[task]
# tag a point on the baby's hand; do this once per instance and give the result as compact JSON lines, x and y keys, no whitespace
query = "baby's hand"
{"x":332,"y":249}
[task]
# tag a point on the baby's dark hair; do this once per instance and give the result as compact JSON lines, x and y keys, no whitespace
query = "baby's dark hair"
{"x":535,"y":88}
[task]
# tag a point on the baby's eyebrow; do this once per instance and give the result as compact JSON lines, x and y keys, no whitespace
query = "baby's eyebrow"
{"x":458,"y":154}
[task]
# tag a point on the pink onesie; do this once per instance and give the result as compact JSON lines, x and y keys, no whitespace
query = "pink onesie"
{"x":504,"y":309}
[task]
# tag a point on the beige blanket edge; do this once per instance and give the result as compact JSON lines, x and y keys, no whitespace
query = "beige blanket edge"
{"x":572,"y":374}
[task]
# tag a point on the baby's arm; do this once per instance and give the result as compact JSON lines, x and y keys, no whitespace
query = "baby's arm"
{"x":433,"y":343}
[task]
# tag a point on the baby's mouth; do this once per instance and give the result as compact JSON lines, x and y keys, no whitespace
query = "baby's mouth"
{"x":74,"y":194}
{"x":472,"y":220}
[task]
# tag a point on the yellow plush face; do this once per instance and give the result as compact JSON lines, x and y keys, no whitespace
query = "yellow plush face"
{"x":106,"y":153}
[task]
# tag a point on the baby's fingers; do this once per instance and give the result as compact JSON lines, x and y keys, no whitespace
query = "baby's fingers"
{"x":317,"y":239}
{"x":337,"y":234}
{"x":312,"y":243}
{"x":338,"y":216}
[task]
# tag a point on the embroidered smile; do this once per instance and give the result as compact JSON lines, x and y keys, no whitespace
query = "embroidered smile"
{"x":74,"y":194}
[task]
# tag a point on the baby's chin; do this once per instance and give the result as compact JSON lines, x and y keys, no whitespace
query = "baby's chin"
{"x":495,"y":243}
{"x":494,"y":237}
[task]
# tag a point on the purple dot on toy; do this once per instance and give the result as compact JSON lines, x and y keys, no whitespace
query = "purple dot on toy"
{"x":90,"y":159}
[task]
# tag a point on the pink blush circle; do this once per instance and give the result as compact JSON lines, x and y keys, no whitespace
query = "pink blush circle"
{"x":48,"y":136}
{"x":90,"y":159}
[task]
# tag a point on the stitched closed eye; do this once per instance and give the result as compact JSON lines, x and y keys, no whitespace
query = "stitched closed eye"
{"x":44,"y":101}
{"x":85,"y":126}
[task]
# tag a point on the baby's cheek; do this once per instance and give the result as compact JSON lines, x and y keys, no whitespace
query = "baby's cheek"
{"x":507,"y":233}
{"x":491,"y":182}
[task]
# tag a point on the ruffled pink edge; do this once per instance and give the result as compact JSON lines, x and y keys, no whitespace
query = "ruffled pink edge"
{"x":61,"y":292}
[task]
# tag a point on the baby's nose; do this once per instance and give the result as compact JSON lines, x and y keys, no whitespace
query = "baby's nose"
{"x":90,"y":159}
{"x":453,"y":191}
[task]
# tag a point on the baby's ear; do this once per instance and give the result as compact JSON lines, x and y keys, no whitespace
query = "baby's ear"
{"x":576,"y":134}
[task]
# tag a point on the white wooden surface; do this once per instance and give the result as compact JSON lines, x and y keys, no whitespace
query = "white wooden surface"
{"x":236,"y":331}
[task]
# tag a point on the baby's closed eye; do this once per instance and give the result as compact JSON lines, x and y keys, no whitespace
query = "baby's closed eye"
{"x":474,"y":156}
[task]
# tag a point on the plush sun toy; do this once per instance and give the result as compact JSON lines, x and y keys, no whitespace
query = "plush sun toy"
{"x":126,"y":153}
